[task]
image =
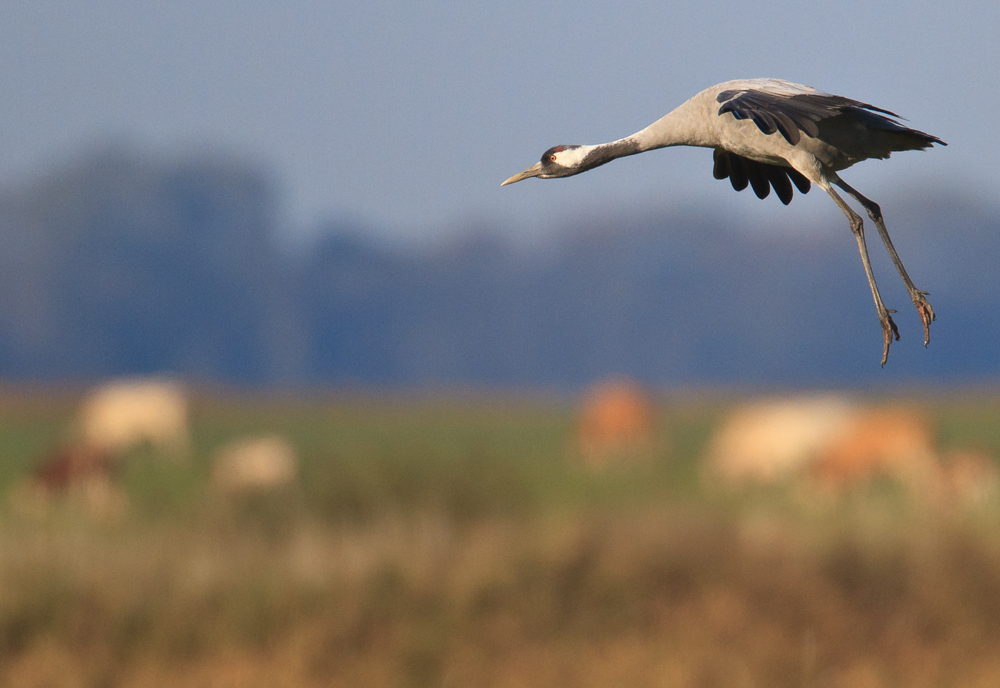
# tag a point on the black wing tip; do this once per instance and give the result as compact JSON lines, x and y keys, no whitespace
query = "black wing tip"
{"x":743,"y":105}
{"x":726,"y":95}
{"x":800,"y":180}
{"x":883,"y":111}
{"x":767,"y":123}
{"x":762,"y":177}
{"x":789,"y":115}
{"x":791,"y":135}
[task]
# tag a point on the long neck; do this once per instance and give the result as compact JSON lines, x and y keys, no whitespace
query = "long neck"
{"x":687,"y":125}
{"x":606,"y":152}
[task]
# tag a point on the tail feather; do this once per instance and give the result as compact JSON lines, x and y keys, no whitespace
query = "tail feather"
{"x":861,"y":134}
{"x":915,"y":139}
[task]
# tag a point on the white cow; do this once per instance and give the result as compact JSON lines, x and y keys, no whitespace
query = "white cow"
{"x":774,"y":439}
{"x":122,"y":414}
{"x":255,"y":464}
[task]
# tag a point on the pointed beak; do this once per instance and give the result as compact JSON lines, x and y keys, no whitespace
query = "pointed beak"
{"x":532,"y":171}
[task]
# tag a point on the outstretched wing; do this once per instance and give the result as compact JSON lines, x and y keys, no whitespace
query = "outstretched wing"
{"x":761,"y":176}
{"x":791,"y":109}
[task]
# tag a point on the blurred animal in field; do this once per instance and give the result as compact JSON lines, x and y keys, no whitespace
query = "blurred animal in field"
{"x":72,"y":473}
{"x":772,"y":440}
{"x":874,"y":442}
{"x":615,"y":422}
{"x":897,"y":442}
{"x":833,"y":444}
{"x":969,"y":475}
{"x":70,"y":465}
{"x":123,"y":414}
{"x":254,"y":464}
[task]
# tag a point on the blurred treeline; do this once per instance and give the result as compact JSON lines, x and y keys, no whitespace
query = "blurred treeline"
{"x":119,"y":263}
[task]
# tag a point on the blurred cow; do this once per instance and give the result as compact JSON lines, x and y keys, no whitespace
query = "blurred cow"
{"x":969,"y":475}
{"x":72,"y":474}
{"x":255,"y":463}
{"x":615,"y":422}
{"x":893,"y":442}
{"x":771,"y":440}
{"x":122,"y":414}
{"x":69,"y":465}
{"x":831,"y":443}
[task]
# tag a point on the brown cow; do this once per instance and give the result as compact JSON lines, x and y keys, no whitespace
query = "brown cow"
{"x":75,"y":473}
{"x":615,"y":422}
{"x":69,"y":465}
{"x":894,"y":442}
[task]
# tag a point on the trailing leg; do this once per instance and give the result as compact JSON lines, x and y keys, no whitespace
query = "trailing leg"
{"x":875,"y":213}
{"x":889,"y":330}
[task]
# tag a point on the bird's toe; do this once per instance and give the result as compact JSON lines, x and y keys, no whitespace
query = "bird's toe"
{"x":889,"y":332}
{"x":927,"y":315}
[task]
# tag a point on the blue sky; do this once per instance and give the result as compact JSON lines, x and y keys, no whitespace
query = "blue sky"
{"x":405,"y":117}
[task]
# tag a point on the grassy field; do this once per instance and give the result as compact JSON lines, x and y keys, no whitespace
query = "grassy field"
{"x":455,"y":540}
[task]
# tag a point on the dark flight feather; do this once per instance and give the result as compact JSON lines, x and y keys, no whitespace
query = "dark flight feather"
{"x":790,"y":115}
{"x":761,"y":176}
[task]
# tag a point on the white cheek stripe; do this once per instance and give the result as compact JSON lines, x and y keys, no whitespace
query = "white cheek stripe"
{"x":572,"y":157}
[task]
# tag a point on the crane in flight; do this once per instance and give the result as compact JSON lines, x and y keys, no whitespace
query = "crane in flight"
{"x":771,"y":133}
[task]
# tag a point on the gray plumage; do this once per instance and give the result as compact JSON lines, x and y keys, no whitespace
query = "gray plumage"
{"x":788,"y":114}
{"x":774,"y":134}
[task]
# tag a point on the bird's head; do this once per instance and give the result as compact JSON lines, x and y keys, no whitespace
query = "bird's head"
{"x":559,"y":161}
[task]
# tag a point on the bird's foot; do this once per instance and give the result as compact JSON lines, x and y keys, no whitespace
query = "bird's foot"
{"x":926,"y":313}
{"x":888,"y":332}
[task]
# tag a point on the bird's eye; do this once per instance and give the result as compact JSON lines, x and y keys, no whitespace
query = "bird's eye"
{"x":552,"y":158}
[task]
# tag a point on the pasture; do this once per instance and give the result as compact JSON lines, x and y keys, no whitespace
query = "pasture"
{"x":459,"y":539}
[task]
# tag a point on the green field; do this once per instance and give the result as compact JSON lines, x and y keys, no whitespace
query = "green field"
{"x":456,"y":540}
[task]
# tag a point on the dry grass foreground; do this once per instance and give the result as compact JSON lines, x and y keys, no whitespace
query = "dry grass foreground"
{"x":457,"y":543}
{"x":676,"y":597}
